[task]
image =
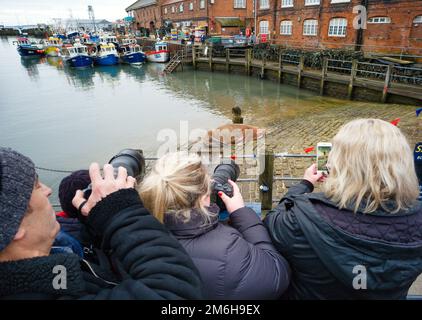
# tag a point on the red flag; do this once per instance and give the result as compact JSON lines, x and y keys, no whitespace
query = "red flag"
{"x":395,"y":122}
{"x":307,"y":150}
{"x":233,"y":157}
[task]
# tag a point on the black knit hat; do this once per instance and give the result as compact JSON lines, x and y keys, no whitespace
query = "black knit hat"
{"x":17,"y":179}
{"x":77,"y":180}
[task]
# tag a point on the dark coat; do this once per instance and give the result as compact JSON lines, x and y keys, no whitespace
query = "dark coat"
{"x":139,"y":259}
{"x":331,"y":251}
{"x":235,"y":262}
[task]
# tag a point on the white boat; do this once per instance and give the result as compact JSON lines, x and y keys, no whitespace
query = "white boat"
{"x":160,"y":53}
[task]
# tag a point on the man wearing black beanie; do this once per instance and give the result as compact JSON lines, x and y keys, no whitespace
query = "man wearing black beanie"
{"x":151,"y":263}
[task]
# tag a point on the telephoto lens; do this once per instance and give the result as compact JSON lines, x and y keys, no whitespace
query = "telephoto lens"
{"x":131,"y":159}
{"x":222,"y":173}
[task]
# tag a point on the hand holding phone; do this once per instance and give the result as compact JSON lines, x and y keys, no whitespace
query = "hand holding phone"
{"x":323,"y":149}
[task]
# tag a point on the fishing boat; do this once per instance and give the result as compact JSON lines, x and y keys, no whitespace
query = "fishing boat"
{"x":159,"y":54}
{"x":76,"y":55}
{"x":53,"y":47}
{"x":27,"y":48}
{"x":131,"y":52}
{"x":106,"y":55}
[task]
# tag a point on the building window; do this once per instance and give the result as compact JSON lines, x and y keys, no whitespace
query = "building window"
{"x":173,"y":9}
{"x":202,"y":4}
{"x":240,"y":3}
{"x":417,"y":20}
{"x":339,"y":1}
{"x":263,"y":27}
{"x":310,"y":27}
{"x":337,"y":27}
{"x":165,"y":10}
{"x":264,"y":4}
{"x":379,"y":20}
{"x":312,"y":2}
{"x":286,"y":27}
{"x":181,"y":7}
{"x":191,"y":6}
{"x":286,"y":3}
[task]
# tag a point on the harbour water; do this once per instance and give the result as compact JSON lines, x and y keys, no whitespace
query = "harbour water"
{"x":66,"y":118}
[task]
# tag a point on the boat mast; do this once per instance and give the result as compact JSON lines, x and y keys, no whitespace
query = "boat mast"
{"x":92,"y":17}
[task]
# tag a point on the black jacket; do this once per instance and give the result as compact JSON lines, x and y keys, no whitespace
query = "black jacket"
{"x":138,"y":259}
{"x":332,"y":251}
{"x":235,"y":262}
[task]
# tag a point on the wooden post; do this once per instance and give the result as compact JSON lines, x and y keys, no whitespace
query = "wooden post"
{"x":263,"y":68}
{"x":248,"y":61}
{"x":323,"y":75}
{"x":300,"y":70}
{"x":280,"y":66}
{"x":352,"y":79}
{"x":228,"y":60}
{"x":265,"y":182}
{"x":210,"y":58}
{"x":387,"y":83}
{"x":194,"y":57}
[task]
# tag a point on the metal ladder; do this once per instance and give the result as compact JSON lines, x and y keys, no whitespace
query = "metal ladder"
{"x":175,"y":61}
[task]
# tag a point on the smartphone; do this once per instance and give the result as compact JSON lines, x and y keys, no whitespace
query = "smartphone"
{"x":323,"y":149}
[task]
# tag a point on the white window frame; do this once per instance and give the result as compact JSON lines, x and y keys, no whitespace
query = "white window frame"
{"x":264,"y":4}
{"x":181,"y":8}
{"x":308,"y":27}
{"x":286,"y":27}
{"x":287,"y":3}
{"x":239,"y":4}
{"x":191,"y":6}
{"x":335,"y":26}
{"x":173,"y":9}
{"x":417,"y":20}
{"x":201,"y":4}
{"x":165,"y":10}
{"x":340,"y":1}
{"x":312,"y":2}
{"x":379,"y":20}
{"x":264,"y":29}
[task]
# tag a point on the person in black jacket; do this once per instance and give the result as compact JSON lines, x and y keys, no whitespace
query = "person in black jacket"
{"x":236,"y":261}
{"x":138,"y":259}
{"x":361,"y":238}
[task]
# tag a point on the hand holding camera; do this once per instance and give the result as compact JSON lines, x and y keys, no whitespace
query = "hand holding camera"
{"x":102,"y":187}
{"x":235,"y":200}
{"x":313,"y":175}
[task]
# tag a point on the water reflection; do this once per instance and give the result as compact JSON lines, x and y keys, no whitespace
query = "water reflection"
{"x":55,"y":62}
{"x":31,"y":66}
{"x":110,"y":74}
{"x":80,"y":77}
{"x":134,"y":72}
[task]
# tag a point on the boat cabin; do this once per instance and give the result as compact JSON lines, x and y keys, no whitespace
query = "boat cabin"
{"x":161,"y":46}
{"x":128,"y":41}
{"x":24,"y":41}
{"x":54,"y":41}
{"x":107,"y":48}
{"x":132,"y":48}
{"x":69,"y":51}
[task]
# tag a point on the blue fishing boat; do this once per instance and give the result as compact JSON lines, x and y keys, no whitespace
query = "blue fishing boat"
{"x":77,"y":56}
{"x":28,"y":49}
{"x":131,"y":52}
{"x":106,"y":55}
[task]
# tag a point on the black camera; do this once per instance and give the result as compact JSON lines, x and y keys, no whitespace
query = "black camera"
{"x":131,"y":159}
{"x":222,"y":173}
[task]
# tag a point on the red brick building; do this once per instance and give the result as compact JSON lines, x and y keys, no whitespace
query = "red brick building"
{"x":332,"y":24}
{"x":185,"y":13}
{"x":147,"y":14}
{"x":390,"y":24}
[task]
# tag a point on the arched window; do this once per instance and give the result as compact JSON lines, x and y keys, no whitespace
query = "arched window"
{"x":310,"y":27}
{"x":417,"y":20}
{"x":286,"y":27}
{"x":338,"y":27}
{"x":263,"y":27}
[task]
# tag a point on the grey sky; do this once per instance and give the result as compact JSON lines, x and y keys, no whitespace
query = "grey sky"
{"x":13,"y":12}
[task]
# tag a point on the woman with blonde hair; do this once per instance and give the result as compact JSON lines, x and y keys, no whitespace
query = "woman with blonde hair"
{"x":361,"y":237}
{"x":236,"y":261}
